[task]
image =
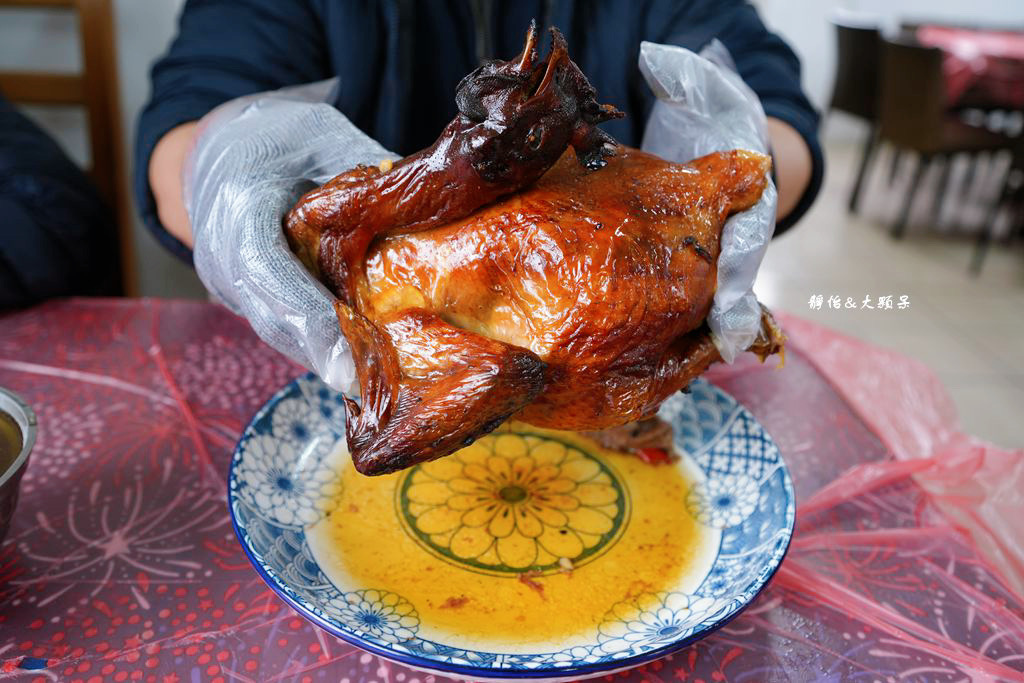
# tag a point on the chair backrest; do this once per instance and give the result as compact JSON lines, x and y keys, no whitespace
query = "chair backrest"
{"x":856,"y":86}
{"x":95,"y":89}
{"x":912,"y":99}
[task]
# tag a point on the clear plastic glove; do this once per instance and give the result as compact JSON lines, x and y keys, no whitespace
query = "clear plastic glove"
{"x":704,"y":106}
{"x":253,"y":158}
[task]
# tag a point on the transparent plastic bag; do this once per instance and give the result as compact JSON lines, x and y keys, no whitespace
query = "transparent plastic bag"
{"x":254,"y":157}
{"x":704,"y":106}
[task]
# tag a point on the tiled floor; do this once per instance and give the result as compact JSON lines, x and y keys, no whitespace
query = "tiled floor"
{"x":969,"y":330}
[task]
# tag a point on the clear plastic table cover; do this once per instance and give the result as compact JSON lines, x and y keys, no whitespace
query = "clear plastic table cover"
{"x":121,"y":563}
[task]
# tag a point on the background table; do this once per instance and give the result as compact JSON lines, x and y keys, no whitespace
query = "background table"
{"x":121,"y":563}
{"x":982,"y":67}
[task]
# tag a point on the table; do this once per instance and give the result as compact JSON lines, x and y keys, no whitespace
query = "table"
{"x":121,"y":564}
{"x":984,"y":67}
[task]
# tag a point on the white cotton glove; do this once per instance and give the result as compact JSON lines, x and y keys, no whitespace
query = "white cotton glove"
{"x":704,"y":106}
{"x":253,"y":158}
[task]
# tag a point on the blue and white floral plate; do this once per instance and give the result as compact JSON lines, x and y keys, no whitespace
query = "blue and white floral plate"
{"x":539,"y":516}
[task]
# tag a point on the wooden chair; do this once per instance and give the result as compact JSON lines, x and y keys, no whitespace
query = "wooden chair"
{"x":913,"y":116}
{"x":95,"y":89}
{"x":856,"y":87}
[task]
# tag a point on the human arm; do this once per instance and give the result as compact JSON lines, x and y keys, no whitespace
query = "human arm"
{"x":772,"y":70}
{"x":793,"y":165}
{"x":165,"y":181}
{"x":270,"y":44}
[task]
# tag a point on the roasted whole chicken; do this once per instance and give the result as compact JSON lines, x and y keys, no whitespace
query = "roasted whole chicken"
{"x":524,"y":265}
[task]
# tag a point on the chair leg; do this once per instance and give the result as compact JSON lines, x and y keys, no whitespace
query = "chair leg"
{"x":940,"y":190}
{"x":972,"y":170}
{"x":988,"y":228}
{"x":966,"y":184}
{"x":1017,"y":222}
{"x":865,"y":160}
{"x":900,"y":226}
{"x":984,"y":240}
{"x":894,"y":164}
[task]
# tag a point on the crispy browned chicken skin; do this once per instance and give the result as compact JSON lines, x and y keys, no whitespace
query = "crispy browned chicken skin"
{"x":577,"y":300}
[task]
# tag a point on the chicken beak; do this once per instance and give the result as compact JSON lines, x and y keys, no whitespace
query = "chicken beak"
{"x":529,"y":54}
{"x":558,"y":55}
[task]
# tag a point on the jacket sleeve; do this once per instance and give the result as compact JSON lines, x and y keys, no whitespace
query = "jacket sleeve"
{"x":57,"y":236}
{"x":764,"y":61}
{"x":224,"y":49}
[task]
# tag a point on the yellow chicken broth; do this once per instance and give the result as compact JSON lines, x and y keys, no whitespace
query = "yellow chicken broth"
{"x":528,"y":536}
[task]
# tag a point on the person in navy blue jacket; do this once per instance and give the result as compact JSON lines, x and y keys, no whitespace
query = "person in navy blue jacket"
{"x":399,"y":62}
{"x":57,"y":236}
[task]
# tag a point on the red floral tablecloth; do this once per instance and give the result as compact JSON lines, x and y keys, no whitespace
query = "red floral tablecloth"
{"x":121,"y":564}
{"x":981,"y":67}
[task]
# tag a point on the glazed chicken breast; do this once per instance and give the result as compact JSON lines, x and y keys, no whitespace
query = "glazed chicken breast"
{"x":524,"y":265}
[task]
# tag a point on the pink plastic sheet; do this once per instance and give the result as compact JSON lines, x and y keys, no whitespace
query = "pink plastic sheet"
{"x":121,"y":564}
{"x":979,"y":487}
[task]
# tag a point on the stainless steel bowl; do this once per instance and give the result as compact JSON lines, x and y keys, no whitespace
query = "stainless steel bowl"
{"x":10,"y":478}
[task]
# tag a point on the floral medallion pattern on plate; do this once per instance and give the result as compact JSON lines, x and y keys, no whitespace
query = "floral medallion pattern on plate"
{"x":514,"y":501}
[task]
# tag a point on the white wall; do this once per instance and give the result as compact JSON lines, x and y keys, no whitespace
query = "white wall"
{"x":805,"y":24}
{"x":47,"y":40}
